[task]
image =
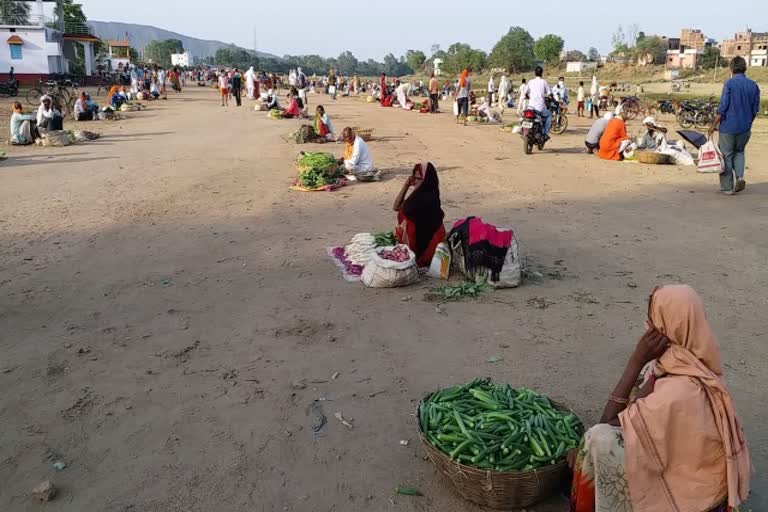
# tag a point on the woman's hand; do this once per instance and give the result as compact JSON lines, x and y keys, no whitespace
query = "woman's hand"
{"x":651,"y":346}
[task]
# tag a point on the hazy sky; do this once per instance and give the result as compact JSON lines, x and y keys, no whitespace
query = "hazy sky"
{"x":332,"y":26}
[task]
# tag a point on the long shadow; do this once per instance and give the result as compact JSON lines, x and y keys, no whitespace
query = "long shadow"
{"x":11,"y":162}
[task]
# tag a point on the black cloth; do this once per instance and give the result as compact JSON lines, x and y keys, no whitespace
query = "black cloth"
{"x":423,"y":208}
{"x":463,"y":106}
{"x":480,"y":254}
{"x":237,"y":92}
{"x":85,"y":116}
{"x":592,"y":147}
{"x":54,"y":123}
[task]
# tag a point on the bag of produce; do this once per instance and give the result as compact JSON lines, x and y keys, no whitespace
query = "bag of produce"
{"x":441,"y":262}
{"x":391,"y":267}
{"x":511,"y":275}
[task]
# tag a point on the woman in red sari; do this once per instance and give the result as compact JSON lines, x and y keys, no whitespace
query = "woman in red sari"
{"x":420,"y":217}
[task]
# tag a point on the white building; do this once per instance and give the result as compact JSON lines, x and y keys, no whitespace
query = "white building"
{"x":436,"y":63}
{"x":40,"y":44}
{"x":580,"y":67}
{"x":183,"y":60}
{"x":759,"y":58}
{"x":119,"y":54}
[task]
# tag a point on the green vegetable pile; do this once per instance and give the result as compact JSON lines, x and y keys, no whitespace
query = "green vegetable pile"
{"x":465,"y":290}
{"x":275,"y":114}
{"x":317,"y":169}
{"x":385,"y":239}
{"x":497,"y":427}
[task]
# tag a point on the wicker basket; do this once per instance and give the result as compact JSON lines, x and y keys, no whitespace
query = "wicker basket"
{"x":364,"y":133}
{"x":501,"y":491}
{"x":651,"y":157}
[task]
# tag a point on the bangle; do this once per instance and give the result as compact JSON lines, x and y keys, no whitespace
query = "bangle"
{"x":623,"y":401}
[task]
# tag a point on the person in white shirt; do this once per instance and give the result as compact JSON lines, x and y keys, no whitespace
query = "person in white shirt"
{"x":522,"y":101}
{"x":491,"y":90}
{"x":581,"y":96}
{"x":538,"y":92}
{"x":594,"y":91}
{"x":250,"y":83}
{"x":402,"y":94}
{"x":357,"y":158}
{"x":503,"y":91}
{"x":560,"y":91}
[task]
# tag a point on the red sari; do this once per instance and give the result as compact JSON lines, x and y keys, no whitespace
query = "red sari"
{"x":420,"y":220}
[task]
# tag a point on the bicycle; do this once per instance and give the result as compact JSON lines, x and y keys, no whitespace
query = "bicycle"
{"x":59,"y":90}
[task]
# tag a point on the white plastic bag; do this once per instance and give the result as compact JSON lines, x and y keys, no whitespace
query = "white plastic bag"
{"x":456,"y":108}
{"x":383,"y":273}
{"x":710,"y":158}
{"x":441,"y":262}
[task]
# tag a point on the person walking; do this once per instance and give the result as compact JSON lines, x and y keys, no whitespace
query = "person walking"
{"x":580,"y":98}
{"x":739,"y":105}
{"x":462,"y":97}
{"x":522,"y":102}
{"x":594,"y":94}
{"x":236,"y":83}
{"x":503,"y":91}
{"x":434,"y":88}
{"x":491,"y":90}
{"x":224,"y":88}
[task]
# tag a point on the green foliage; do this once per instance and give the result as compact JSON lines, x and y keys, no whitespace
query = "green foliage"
{"x":73,"y":13}
{"x":712,"y":58}
{"x":346,"y":64}
{"x":235,"y":57}
{"x":593,"y":55}
{"x":159,"y":52}
{"x":653,"y":46}
{"x":514,"y":52}
{"x":415,"y":59}
{"x":461,"y":56}
{"x":548,"y":48}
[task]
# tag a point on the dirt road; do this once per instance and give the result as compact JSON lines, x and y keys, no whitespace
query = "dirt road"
{"x":163,"y":295}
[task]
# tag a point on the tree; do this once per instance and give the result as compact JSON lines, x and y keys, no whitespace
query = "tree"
{"x":575,"y":56}
{"x":514,"y":51}
{"x":415,"y":59}
{"x":235,"y":57}
{"x":712,"y":58}
{"x":650,"y":50}
{"x":434,"y":49}
{"x":548,"y":48}
{"x":461,"y":56}
{"x":593,"y":55}
{"x":619,"y":40}
{"x":159,"y":52}
{"x":347,"y":63}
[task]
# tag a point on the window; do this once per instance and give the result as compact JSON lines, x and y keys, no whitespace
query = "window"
{"x":16,"y":52}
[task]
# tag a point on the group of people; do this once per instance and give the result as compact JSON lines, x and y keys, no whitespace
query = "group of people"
{"x":149,"y":83}
{"x":739,"y":106}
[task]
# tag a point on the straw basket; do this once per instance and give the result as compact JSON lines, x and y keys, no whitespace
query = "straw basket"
{"x":364,"y":133}
{"x":651,"y":157}
{"x":501,"y":491}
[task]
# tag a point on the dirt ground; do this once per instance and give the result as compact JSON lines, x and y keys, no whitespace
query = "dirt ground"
{"x":163,"y":293}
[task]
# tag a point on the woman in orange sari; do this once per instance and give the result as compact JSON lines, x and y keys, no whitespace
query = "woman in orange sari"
{"x":420,"y":216}
{"x":612,"y":142}
{"x":677,"y":446}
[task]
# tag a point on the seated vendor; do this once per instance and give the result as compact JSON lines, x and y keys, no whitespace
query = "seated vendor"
{"x":82,"y":112}
{"x":595,"y":133}
{"x":357,"y":158}
{"x":23,"y":130}
{"x":115,"y":98}
{"x":154,"y":90}
{"x":271,"y":101}
{"x":420,"y":216}
{"x":654,"y":135}
{"x":323,"y":126}
{"x":49,"y":117}
{"x":91,"y":105}
{"x":677,"y":444}
{"x":615,"y":139}
{"x":293,"y":109}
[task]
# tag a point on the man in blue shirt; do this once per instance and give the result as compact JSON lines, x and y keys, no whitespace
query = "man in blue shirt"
{"x":739,"y":105}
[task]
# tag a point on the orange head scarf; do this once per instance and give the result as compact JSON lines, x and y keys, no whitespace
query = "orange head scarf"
{"x":684,"y":438}
{"x":463,"y":79}
{"x":112,"y":92}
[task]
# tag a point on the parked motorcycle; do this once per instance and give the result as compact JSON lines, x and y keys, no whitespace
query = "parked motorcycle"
{"x":9,"y":88}
{"x":532,"y":130}
{"x":666,"y":107}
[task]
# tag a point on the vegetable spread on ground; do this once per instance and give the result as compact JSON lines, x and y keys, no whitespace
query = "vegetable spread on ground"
{"x":498,"y":427}
{"x":317,"y":169}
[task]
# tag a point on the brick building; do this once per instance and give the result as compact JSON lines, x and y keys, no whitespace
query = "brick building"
{"x":747,"y":45}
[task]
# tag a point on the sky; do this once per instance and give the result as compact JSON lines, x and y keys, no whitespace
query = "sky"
{"x":328,"y":28}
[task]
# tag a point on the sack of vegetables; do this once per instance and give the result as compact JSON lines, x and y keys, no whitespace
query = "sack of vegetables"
{"x":391,"y":267}
{"x":317,"y":170}
{"x":501,"y":447}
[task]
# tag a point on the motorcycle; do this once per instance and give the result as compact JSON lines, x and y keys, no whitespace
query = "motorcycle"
{"x":532,"y":131}
{"x":559,"y":119}
{"x":9,"y":88}
{"x":666,"y":106}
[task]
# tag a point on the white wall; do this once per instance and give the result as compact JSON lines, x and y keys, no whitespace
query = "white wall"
{"x":34,"y":52}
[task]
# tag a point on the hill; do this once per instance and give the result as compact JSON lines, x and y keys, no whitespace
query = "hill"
{"x":141,"y":35}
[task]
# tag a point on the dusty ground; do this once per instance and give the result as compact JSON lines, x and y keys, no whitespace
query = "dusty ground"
{"x":161,"y":289}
